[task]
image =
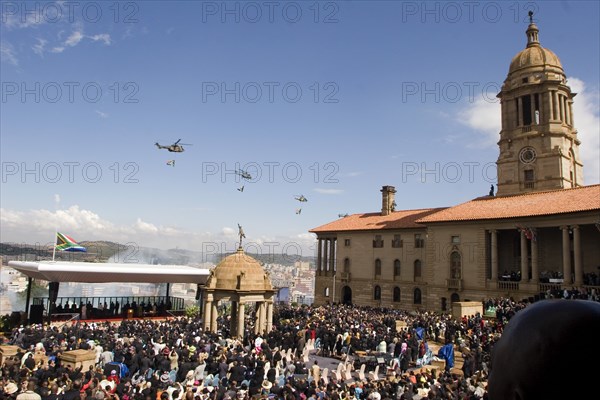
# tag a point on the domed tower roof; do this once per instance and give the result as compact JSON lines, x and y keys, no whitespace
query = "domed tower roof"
{"x":239,"y":272}
{"x":534,"y":56}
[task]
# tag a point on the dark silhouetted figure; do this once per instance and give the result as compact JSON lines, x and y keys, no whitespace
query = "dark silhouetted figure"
{"x":542,"y":345}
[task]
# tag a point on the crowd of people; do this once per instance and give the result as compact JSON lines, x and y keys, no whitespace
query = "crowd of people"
{"x":175,"y":359}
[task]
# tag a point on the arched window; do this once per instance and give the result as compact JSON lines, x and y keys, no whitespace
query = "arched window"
{"x":454,"y":298}
{"x":396,"y":295}
{"x":417,"y":268}
{"x":455,"y":265}
{"x":378,"y":267}
{"x":326,"y":293}
{"x":377,"y":293}
{"x":396,"y":268}
{"x":346,"y":264}
{"x":417,"y":296}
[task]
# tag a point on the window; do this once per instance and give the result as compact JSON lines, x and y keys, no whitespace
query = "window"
{"x":397,"y":241}
{"x":396,"y":295}
{"x":417,"y":269}
{"x":346,"y":264}
{"x":378,"y":267}
{"x":419,"y":241}
{"x":326,"y":292}
{"x":455,"y":239}
{"x":378,"y":241}
{"x":455,"y":265}
{"x":377,"y":293}
{"x":529,"y":178}
{"x":417,"y":296}
{"x":396,"y":268}
{"x":347,"y":242}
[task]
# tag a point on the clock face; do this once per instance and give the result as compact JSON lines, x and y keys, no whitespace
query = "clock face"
{"x":527,"y":155}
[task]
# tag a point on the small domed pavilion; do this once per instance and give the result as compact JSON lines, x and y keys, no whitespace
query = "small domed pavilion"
{"x":239,"y":279}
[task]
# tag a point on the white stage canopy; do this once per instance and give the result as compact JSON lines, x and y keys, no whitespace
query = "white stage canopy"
{"x":61,"y":271}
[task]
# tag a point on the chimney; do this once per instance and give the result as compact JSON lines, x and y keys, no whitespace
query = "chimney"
{"x":388,"y":203}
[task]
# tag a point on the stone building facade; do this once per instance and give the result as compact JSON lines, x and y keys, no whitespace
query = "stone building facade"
{"x":540,"y":232}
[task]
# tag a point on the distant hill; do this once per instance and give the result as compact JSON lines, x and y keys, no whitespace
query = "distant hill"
{"x":107,"y":251}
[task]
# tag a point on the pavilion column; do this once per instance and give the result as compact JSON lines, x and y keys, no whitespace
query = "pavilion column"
{"x":532,"y":107}
{"x":207,"y":314}
{"x":263,"y":316}
{"x":524,"y":258}
{"x":233,"y":321}
{"x":549,"y":107}
{"x":213,"y":317}
{"x":566,"y":250}
{"x":555,"y":105}
{"x":269,"y":316}
{"x":258,"y":317}
{"x":319,"y":256}
{"x":494,"y":254}
{"x":240,"y":325}
{"x":577,"y":254}
{"x":535,"y":270}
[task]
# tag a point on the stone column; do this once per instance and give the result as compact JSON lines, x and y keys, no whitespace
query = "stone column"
{"x":567,"y":111}
{"x":577,"y":254}
{"x":494,"y":254}
{"x":535,"y":271}
{"x":566,"y":250}
{"x":331,"y":255}
{"x":233,"y":321}
{"x":240,"y":315}
{"x":562,"y":109}
{"x":571,"y":120}
{"x":207,"y":314}
{"x":524,"y":258}
{"x":213,"y":317}
{"x":269,"y":316}
{"x":555,"y":106}
{"x":549,"y":107}
{"x":319,"y":259}
{"x":520,"y":112}
{"x":532,"y":106}
{"x":257,"y":323}
{"x":325,"y":243}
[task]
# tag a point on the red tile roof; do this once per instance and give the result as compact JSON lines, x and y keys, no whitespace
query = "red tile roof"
{"x":375,"y":221}
{"x":562,"y":201}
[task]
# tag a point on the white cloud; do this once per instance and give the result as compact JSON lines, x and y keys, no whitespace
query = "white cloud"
{"x":587,"y":122}
{"x":483,"y":117}
{"x":39,"y":47}
{"x":105,"y":37}
{"x":7,"y":54}
{"x":328,"y":191}
{"x":101,"y":114}
{"x":74,"y":39}
{"x":58,"y":49}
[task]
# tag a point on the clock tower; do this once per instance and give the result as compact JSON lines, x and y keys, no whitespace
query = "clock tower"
{"x":539,"y":147}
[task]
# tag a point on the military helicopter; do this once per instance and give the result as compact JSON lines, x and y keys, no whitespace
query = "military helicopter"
{"x":174,"y":148}
{"x":299,"y":211}
{"x":342,"y":215}
{"x":301,"y":198}
{"x":244,"y":174}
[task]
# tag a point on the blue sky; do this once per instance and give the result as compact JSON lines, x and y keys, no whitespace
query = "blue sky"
{"x":327,"y":99}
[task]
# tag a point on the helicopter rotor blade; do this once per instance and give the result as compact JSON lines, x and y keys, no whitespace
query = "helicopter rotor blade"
{"x":177,"y":141}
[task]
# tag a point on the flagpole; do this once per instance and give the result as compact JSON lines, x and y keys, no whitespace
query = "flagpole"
{"x":56,"y":200}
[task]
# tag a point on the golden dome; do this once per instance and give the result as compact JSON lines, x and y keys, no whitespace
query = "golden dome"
{"x":239,"y":272}
{"x":534,"y":55}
